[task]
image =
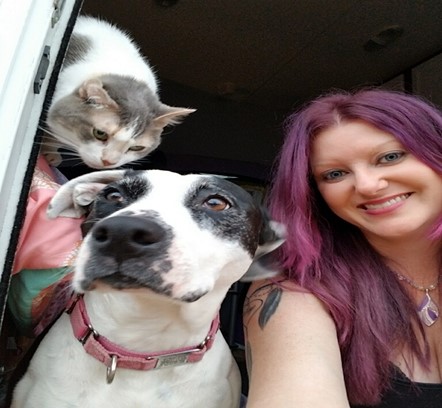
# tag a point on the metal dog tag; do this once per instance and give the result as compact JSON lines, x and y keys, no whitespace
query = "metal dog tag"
{"x":171,"y":360}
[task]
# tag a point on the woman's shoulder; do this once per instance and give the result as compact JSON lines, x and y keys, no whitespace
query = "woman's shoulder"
{"x":291,"y":340}
{"x":284,"y":296}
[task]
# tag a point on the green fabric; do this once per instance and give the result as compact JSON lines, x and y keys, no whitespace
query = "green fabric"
{"x":24,"y":288}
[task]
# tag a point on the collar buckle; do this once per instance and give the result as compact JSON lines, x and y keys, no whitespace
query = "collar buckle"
{"x":90,"y":330}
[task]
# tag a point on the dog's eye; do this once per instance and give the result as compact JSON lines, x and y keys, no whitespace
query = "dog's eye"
{"x":114,"y":196}
{"x":216,"y":203}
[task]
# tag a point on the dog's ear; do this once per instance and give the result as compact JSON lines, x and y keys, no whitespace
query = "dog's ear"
{"x":264,"y":265}
{"x":72,"y":199}
{"x":88,"y":222}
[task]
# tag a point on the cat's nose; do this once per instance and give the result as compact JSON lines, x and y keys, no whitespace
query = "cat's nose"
{"x":107,"y":162}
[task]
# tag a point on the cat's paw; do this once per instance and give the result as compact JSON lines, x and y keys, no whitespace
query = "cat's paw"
{"x":54,"y":159}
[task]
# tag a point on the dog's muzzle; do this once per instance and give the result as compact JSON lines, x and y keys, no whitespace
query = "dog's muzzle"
{"x":127,"y":251}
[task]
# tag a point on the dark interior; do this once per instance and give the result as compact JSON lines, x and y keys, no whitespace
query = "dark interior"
{"x":244,"y":65}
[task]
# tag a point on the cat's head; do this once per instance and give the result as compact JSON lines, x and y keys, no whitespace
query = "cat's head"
{"x":111,"y":120}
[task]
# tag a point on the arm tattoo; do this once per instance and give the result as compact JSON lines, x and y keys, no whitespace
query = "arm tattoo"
{"x":264,"y":300}
{"x":269,"y":306}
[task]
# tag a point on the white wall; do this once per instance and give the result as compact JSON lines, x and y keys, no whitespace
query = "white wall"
{"x":26,"y":26}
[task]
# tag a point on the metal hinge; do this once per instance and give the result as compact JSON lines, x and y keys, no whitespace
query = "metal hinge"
{"x":42,"y":69}
{"x":58,"y":8}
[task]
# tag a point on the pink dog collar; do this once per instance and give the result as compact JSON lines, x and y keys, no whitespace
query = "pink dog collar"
{"x":113,"y":356}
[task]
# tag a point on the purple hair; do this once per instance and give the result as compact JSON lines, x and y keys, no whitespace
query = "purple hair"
{"x":330,"y":257}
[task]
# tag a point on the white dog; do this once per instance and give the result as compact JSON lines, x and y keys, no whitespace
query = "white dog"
{"x":159,"y":256}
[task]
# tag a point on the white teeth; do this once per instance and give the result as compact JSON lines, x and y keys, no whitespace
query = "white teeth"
{"x":387,"y":203}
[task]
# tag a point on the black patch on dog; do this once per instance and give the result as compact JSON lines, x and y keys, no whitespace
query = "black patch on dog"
{"x":193,"y":296}
{"x":241,"y":220}
{"x":115,"y":196}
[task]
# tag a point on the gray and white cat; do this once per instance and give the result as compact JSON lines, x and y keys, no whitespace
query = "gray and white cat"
{"x":105,"y":107}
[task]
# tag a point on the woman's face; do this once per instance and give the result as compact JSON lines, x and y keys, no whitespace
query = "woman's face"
{"x":368,"y":179}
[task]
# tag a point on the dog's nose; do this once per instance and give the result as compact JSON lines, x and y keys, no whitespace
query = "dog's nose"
{"x":124,"y":237}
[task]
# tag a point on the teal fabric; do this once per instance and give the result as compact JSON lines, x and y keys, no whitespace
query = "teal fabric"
{"x":25,"y":287}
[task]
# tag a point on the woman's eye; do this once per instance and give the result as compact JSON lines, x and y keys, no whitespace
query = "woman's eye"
{"x":99,"y":134}
{"x":333,"y":175}
{"x":216,"y":203}
{"x":114,"y":196}
{"x":391,"y":157}
{"x":136,"y":148}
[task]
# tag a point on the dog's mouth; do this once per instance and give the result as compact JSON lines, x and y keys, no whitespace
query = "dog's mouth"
{"x":119,"y":281}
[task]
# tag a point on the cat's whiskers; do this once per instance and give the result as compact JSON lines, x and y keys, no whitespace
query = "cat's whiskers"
{"x":60,"y":138}
{"x":65,"y":142}
{"x":53,"y":147}
{"x":72,"y":161}
{"x":49,"y":144}
{"x":71,"y":153}
{"x":138,"y":162}
{"x":46,"y":130}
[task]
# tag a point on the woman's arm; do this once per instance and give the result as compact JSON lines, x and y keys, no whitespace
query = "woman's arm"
{"x":293,"y":357}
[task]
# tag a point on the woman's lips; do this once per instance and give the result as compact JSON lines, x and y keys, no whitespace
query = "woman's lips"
{"x":379,"y":204}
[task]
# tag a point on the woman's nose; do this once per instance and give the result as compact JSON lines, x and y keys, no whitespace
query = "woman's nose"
{"x":370,"y":182}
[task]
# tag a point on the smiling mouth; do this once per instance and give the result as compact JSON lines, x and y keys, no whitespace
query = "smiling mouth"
{"x":387,"y":203}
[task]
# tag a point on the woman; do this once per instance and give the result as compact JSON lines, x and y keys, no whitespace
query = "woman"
{"x":355,"y":320}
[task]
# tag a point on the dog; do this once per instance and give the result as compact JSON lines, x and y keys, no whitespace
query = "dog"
{"x":160,"y":252}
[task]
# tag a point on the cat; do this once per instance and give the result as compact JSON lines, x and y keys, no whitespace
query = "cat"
{"x":105,"y":107}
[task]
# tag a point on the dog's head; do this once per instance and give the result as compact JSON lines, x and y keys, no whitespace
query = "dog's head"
{"x":180,"y":236}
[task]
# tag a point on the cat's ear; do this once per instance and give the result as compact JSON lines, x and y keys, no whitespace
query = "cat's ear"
{"x":171,"y":115}
{"x":72,"y":198}
{"x":92,"y":92}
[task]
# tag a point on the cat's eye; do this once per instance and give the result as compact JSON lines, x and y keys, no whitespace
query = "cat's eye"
{"x":100,"y":134}
{"x":136,"y":148}
{"x":216,"y":203}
